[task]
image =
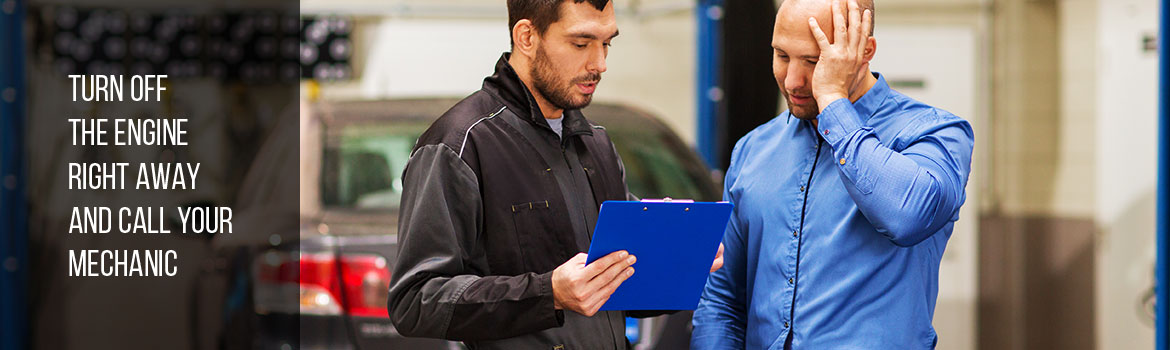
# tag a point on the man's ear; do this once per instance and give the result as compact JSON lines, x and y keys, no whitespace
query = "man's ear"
{"x":870,"y":48}
{"x":524,"y":38}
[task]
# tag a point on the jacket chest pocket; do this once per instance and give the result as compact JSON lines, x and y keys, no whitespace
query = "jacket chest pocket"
{"x":539,"y":236}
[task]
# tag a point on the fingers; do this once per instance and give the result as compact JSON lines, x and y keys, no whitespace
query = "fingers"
{"x":867,"y":23}
{"x":851,"y":26}
{"x":867,"y":29}
{"x":598,"y":298}
{"x":822,"y":40}
{"x":599,"y":265}
{"x":718,"y":262}
{"x":855,"y":30}
{"x":612,"y":272}
{"x":840,"y":28}
{"x":589,"y":286}
{"x":610,"y":288}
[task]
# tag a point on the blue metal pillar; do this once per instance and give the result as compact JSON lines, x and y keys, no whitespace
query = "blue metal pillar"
{"x":13,"y":209}
{"x":1162,"y":312}
{"x":709,"y":82}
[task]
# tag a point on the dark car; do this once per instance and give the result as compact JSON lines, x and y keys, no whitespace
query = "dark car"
{"x":352,"y":159}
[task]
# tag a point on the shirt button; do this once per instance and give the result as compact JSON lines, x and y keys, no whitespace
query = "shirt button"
{"x":842,"y":161}
{"x":793,"y":233}
{"x":826,"y":131}
{"x":785,"y":324}
{"x":790,"y":281}
{"x":801,"y":188}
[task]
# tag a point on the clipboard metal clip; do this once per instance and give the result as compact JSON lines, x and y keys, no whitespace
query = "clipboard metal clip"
{"x":668,"y":200}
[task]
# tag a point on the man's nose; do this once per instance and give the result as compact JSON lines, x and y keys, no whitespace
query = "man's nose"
{"x":796,"y":79}
{"x":597,"y":61}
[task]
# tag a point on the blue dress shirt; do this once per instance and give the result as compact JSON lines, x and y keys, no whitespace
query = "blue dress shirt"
{"x":838,"y":229}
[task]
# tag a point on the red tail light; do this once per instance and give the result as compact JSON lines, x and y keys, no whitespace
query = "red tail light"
{"x":356,"y":284}
{"x":367,"y":284}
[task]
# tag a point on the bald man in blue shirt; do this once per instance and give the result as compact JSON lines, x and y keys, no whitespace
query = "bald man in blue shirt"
{"x":843,"y":204}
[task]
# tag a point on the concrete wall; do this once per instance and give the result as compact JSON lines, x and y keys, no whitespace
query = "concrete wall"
{"x":1126,"y":131}
{"x":1068,"y":251}
{"x":1037,"y":256}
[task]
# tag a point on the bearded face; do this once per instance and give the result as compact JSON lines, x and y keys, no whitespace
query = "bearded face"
{"x":563,"y":91}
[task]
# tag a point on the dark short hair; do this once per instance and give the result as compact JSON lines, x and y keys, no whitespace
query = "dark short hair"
{"x":542,"y":13}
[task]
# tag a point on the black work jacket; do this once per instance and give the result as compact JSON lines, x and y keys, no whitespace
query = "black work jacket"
{"x":493,"y":201}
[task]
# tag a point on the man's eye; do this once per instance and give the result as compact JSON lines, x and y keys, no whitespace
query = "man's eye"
{"x":580,"y":46}
{"x":812,"y":62}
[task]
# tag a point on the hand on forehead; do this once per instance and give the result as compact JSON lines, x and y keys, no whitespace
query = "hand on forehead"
{"x":792,"y":18}
{"x":795,"y":14}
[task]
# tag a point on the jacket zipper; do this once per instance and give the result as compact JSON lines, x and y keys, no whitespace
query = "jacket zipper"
{"x":565,"y":157}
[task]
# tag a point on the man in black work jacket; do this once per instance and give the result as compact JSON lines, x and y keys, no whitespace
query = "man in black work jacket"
{"x":502,"y":193}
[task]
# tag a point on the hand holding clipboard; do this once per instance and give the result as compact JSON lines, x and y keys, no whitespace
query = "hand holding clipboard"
{"x":675,"y":242}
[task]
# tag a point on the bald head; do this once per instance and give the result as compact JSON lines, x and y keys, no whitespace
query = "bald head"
{"x":797,"y":12}
{"x":797,"y":53}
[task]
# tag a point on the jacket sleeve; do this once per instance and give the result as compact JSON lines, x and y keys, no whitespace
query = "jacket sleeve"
{"x":921,"y":187}
{"x":437,"y":288}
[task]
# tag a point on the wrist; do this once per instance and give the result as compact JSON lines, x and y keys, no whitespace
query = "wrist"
{"x":553,"y":286}
{"x":557,"y":301}
{"x":824,"y":100}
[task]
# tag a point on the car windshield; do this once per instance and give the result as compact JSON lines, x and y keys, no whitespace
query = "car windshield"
{"x":654,"y":170}
{"x":362,"y":165}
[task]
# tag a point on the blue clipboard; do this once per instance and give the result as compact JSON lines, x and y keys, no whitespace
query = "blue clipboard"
{"x":675,"y":242}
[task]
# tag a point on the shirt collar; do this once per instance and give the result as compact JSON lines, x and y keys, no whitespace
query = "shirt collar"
{"x":869,"y":103}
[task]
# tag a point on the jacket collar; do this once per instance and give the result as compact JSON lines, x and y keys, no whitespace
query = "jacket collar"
{"x":508,"y":87}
